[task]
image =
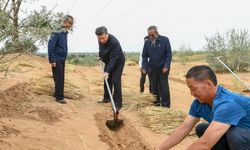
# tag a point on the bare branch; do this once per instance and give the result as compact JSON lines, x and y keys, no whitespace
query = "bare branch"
{"x":5,"y":7}
{"x":10,"y":13}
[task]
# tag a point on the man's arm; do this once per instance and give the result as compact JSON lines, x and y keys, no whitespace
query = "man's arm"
{"x":114,"y":56}
{"x":211,"y":136}
{"x":140,"y":60}
{"x":180,"y":133}
{"x":101,"y":51}
{"x":144,"y":58}
{"x":168,"y":57}
{"x":51,"y":47}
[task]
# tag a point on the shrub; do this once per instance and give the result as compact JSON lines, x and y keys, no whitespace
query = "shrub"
{"x":233,"y":47}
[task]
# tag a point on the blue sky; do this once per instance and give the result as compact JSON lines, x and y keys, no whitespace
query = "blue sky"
{"x":184,"y":22}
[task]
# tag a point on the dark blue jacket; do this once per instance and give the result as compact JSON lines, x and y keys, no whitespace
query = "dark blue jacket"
{"x":111,"y":53}
{"x":158,"y":54}
{"x":57,"y":46}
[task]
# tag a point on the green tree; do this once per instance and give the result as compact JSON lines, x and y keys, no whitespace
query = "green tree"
{"x":233,"y":47}
{"x":24,"y":34}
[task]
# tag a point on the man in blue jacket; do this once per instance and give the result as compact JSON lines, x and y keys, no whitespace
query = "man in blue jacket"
{"x":110,"y":52}
{"x":57,"y":51}
{"x":227,"y":115}
{"x":158,"y":51}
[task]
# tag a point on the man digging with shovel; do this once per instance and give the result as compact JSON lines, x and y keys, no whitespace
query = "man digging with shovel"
{"x":110,"y":52}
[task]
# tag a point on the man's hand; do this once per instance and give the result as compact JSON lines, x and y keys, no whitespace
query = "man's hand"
{"x":106,"y":75}
{"x":179,"y":134}
{"x":164,"y":69}
{"x":211,"y":136}
{"x":144,"y":71}
{"x":53,"y":65}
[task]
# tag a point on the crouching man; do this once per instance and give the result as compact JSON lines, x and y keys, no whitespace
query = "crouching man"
{"x":227,"y":114}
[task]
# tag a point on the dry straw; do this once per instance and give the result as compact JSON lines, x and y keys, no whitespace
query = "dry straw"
{"x":161,"y":120}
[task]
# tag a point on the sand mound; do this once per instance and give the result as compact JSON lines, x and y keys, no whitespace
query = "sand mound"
{"x":45,"y":86}
{"x":14,"y":101}
{"x":5,"y":131}
{"x":125,"y":138}
{"x":5,"y":145}
{"x":18,"y":102}
{"x":45,"y":115}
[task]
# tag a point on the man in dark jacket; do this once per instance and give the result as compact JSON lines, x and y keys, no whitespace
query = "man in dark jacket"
{"x":57,"y":52}
{"x":143,"y":75}
{"x":110,"y":52}
{"x":158,"y":51}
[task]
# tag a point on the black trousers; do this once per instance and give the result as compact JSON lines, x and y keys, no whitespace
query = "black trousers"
{"x":160,"y":87}
{"x":117,"y":81}
{"x":106,"y":94}
{"x":58,"y":76}
{"x":236,"y":138}
{"x":143,"y":80}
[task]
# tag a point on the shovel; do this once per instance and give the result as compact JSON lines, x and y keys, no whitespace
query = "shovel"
{"x":115,"y":123}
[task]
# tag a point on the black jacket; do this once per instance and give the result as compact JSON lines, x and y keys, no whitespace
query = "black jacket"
{"x":111,"y":53}
{"x":57,"y":46}
{"x":158,"y":54}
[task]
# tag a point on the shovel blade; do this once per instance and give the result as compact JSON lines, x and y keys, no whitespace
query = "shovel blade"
{"x":114,"y":124}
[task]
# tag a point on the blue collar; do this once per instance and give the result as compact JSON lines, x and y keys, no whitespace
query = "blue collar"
{"x":218,"y":93}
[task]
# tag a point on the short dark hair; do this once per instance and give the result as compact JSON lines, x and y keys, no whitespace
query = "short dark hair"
{"x":101,"y":30}
{"x":67,"y":17}
{"x":201,"y":73}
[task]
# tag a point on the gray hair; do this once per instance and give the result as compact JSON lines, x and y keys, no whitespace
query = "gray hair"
{"x":66,"y":17}
{"x":153,"y":27}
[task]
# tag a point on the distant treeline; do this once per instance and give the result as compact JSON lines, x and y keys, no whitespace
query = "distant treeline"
{"x":90,"y":59}
{"x":233,"y":47}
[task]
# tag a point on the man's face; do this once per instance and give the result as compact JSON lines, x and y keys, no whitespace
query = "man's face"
{"x":152,"y":34}
{"x":102,"y":38}
{"x":68,"y":23}
{"x":200,"y":89}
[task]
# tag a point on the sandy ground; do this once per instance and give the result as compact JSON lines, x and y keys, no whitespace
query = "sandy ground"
{"x":30,"y":119}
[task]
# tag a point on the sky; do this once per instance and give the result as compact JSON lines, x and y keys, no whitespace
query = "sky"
{"x":184,"y":22}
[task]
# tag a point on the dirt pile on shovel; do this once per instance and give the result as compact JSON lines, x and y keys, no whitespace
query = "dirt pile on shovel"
{"x":124,"y":138}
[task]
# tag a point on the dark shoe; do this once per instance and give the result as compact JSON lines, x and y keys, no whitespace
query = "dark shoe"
{"x":157,"y":104}
{"x":166,"y":106}
{"x":61,"y":101}
{"x":104,"y":101}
